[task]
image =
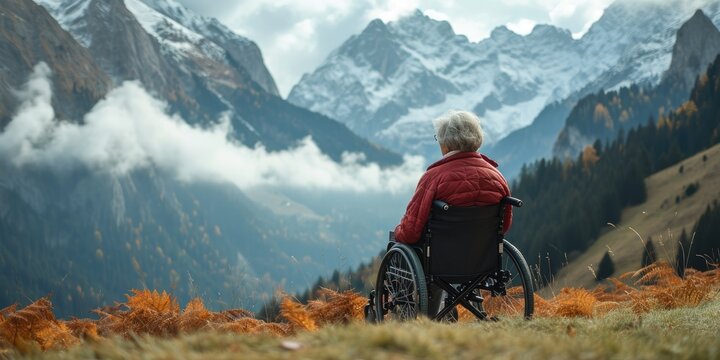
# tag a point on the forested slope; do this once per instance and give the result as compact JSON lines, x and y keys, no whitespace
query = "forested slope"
{"x":569,"y":202}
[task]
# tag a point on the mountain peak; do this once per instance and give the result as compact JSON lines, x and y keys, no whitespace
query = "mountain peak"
{"x":417,"y":24}
{"x":415,"y":16}
{"x":417,"y":13}
{"x":550,"y":31}
{"x":700,"y":21}
{"x":502,"y":33}
{"x":375,"y":26}
{"x":697,"y":44}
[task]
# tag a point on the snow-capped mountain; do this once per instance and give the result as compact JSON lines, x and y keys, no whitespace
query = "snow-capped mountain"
{"x":182,"y":33}
{"x":632,"y":42}
{"x":697,"y":45}
{"x":203,"y":70}
{"x":389,"y":81}
{"x":192,"y":26}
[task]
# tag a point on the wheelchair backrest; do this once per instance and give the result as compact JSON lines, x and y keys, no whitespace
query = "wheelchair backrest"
{"x":463,"y":243}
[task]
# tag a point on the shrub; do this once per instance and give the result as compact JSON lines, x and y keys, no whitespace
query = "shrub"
{"x":691,"y":189}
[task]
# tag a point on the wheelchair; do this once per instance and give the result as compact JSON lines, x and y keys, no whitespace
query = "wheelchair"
{"x":463,"y":252}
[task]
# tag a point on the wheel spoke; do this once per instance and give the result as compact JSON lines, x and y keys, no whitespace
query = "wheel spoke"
{"x":402,"y":289}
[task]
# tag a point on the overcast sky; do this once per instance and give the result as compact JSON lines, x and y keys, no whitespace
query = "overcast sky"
{"x":295,"y":36}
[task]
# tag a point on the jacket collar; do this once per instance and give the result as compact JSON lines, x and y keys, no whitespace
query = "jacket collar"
{"x":462,"y":155}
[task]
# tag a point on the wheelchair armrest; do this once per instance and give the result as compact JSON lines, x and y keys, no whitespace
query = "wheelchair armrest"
{"x":512,"y":201}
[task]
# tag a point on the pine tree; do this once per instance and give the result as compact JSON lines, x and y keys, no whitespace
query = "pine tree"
{"x":606,"y":267}
{"x":680,"y":258}
{"x":649,"y":255}
{"x":706,"y":243}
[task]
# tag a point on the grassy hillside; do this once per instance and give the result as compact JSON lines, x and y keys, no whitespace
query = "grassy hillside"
{"x":678,"y":334}
{"x":660,"y":218}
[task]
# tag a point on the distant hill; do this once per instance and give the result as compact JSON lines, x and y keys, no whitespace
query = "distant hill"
{"x":568,"y":202}
{"x":661,"y":219}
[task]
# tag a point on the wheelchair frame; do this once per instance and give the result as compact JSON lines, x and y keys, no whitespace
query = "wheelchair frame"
{"x":458,"y":292}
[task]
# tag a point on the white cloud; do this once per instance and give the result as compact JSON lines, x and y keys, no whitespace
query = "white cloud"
{"x":129,"y":130}
{"x":300,"y":37}
{"x":577,"y":16}
{"x":390,"y":10}
{"x":522,"y":26}
{"x":437,"y":15}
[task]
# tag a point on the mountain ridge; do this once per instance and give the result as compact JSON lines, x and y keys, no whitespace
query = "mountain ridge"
{"x":517,"y":82}
{"x":199,"y":78}
{"x":697,"y":45}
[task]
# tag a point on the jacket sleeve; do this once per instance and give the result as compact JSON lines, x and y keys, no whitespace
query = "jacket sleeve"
{"x":416,"y":215}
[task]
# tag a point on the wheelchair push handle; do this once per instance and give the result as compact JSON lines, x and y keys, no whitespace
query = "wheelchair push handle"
{"x":512,"y":201}
{"x":441,"y":205}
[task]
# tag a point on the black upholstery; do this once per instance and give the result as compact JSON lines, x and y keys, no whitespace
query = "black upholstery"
{"x":462,"y":243}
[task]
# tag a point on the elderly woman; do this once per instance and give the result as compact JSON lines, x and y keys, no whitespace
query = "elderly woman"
{"x":463,"y":177}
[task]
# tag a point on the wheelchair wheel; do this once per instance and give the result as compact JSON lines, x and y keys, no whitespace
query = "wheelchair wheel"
{"x":518,"y":299}
{"x":401,"y":291}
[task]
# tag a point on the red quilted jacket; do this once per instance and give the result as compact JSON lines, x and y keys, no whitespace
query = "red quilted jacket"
{"x":462,"y":179}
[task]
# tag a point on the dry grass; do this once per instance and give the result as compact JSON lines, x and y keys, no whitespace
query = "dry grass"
{"x":683,"y":333}
{"x":151,"y":313}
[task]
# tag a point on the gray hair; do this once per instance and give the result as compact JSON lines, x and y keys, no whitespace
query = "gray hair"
{"x":459,"y":130}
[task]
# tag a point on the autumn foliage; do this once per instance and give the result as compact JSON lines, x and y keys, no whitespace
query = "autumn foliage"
{"x":146,"y":312}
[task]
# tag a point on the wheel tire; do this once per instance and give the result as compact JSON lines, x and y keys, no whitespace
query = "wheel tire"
{"x":401,"y":260}
{"x":525,"y":277}
{"x":509,"y":304}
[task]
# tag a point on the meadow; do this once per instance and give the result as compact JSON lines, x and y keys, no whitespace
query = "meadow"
{"x":649,"y":313}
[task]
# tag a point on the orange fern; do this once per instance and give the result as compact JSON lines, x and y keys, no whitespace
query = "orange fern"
{"x":297,"y":315}
{"x":574,"y":302}
{"x":153,"y":301}
{"x":35,"y":323}
{"x":158,"y":313}
{"x":195,"y":316}
{"x":334,"y":307}
{"x":83,"y":329}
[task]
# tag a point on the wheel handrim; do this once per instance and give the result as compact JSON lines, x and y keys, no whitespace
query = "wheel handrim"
{"x":399,"y":296}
